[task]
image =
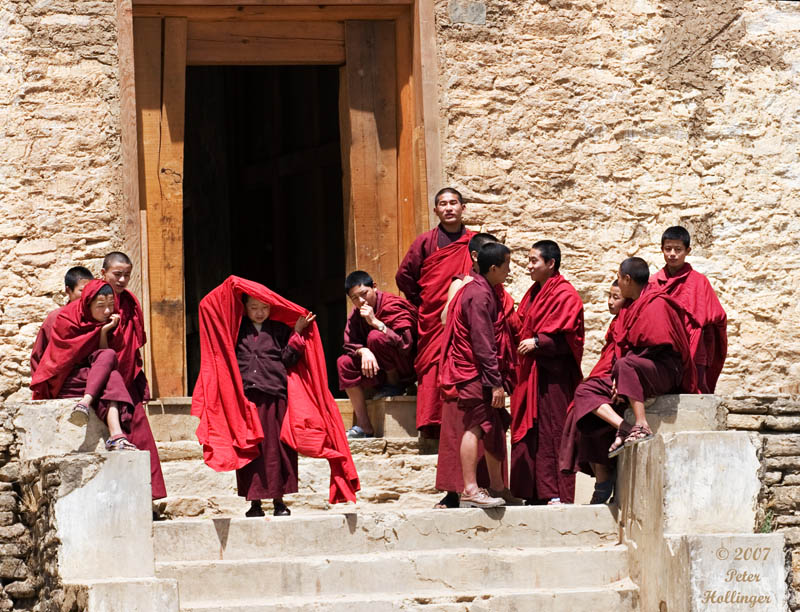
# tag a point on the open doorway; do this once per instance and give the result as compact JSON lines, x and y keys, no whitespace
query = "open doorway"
{"x":262,"y":191}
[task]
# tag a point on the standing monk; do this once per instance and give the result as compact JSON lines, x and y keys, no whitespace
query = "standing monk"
{"x":379,"y":341}
{"x":448,"y":468}
{"x":433,"y":259}
{"x":707,"y":325}
{"x":549,"y":370}
{"x":127,"y":342}
{"x":74,"y":281}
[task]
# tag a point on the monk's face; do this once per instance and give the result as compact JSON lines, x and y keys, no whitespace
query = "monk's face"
{"x":540,"y":269}
{"x":499,"y":274}
{"x":363,"y":294}
{"x":615,"y":300}
{"x":75,"y":294}
{"x":449,"y":209}
{"x":118,"y":275}
{"x":102,"y":307}
{"x":257,"y":311}
{"x":675,"y":253}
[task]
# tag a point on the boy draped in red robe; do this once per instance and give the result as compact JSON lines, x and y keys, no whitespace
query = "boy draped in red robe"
{"x":470,"y":372}
{"x":549,"y":370}
{"x":379,"y":341}
{"x":424,"y":275}
{"x":448,"y":467}
{"x":265,"y":350}
{"x":707,"y":328}
{"x":127,"y":342}
{"x":651,"y":357}
{"x":74,"y":281}
{"x":79,"y":363}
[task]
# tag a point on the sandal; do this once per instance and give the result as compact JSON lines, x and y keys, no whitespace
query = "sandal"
{"x":602,"y":492}
{"x":639,"y":433}
{"x":623,"y":432}
{"x":450,"y":500}
{"x":119,"y":443}
{"x":79,"y":415}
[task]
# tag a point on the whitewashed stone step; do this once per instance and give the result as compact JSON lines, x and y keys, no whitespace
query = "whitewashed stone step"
{"x":618,"y":597}
{"x":418,"y":572}
{"x":338,"y":533}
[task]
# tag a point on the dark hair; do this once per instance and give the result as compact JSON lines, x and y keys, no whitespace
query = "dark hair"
{"x":73,"y":275}
{"x":478,"y":240}
{"x":354,"y":279}
{"x":105,"y":290}
{"x":677,"y":232}
{"x":637,"y":269}
{"x":441,"y":192}
{"x":116,"y":257}
{"x":492,"y":254}
{"x":549,"y":249}
{"x":615,"y":282}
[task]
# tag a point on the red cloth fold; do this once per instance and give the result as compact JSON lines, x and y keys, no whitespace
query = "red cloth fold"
{"x":127,"y":339}
{"x":229,"y":428}
{"x":709,"y":321}
{"x":75,"y":336}
{"x":507,"y":328}
{"x":552,"y":308}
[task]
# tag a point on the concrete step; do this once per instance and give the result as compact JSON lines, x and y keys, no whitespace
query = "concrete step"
{"x":418,"y":572}
{"x":621,"y":596}
{"x":337,"y":533}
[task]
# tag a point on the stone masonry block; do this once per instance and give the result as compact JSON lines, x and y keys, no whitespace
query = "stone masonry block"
{"x":467,"y":11}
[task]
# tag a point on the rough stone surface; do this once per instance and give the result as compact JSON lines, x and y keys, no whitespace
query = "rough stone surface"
{"x":598,"y":124}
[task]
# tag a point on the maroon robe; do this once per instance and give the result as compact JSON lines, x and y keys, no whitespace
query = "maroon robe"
{"x":264,"y":357}
{"x":394,"y":349}
{"x":98,"y":376}
{"x":43,"y":339}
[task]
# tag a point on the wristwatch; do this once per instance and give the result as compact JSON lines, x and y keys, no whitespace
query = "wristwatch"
{"x":382,"y":327}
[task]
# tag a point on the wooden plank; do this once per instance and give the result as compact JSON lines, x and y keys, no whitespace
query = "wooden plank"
{"x":406,"y":225}
{"x":165,"y":224}
{"x":347,"y":199}
{"x":265,"y":43}
{"x":148,"y":348}
{"x":372,"y":92}
{"x":421,"y":205}
{"x":428,"y":85}
{"x":272,"y":13}
{"x":270,"y":2}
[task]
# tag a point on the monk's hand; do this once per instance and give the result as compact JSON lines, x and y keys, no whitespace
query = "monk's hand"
{"x":113,"y":321}
{"x":303,"y":322}
{"x":368,"y":314}
{"x":526,"y":346}
{"x":498,"y":397}
{"x":369,"y":364}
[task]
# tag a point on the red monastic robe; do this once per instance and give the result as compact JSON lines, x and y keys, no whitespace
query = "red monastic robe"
{"x":43,"y":339}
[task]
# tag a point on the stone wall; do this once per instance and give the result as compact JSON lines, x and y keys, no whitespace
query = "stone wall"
{"x":60,"y":169}
{"x":600,"y":123}
{"x":775,"y":418}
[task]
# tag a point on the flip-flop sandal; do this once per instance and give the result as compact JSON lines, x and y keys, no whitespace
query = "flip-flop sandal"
{"x":602,"y":492}
{"x":79,"y":415}
{"x":623,"y":432}
{"x":640,"y":433}
{"x":120,"y":443}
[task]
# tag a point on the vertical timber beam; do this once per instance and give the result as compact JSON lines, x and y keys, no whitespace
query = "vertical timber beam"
{"x":406,"y":200}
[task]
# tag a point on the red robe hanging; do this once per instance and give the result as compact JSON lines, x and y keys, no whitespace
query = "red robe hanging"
{"x":229,"y":428}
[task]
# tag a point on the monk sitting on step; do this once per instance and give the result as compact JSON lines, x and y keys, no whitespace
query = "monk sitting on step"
{"x":379,"y":341}
{"x":651,"y":357}
{"x":74,"y":281}
{"x":470,"y":372}
{"x":79,"y":363}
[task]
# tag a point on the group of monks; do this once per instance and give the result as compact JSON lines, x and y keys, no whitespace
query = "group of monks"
{"x":262,"y":394}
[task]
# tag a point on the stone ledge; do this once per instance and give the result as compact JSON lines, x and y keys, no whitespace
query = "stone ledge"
{"x":674,"y":413}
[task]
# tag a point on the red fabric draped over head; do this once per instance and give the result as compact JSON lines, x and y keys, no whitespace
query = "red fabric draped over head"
{"x":229,"y":427}
{"x":693,"y":291}
{"x":129,"y":337}
{"x":75,"y":336}
{"x":552,"y":309}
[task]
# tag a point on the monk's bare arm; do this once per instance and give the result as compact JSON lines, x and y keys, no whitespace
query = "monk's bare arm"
{"x":451,"y":292}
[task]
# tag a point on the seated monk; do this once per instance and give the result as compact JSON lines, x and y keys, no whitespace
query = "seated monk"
{"x":379,"y":341}
{"x":448,"y":467}
{"x":470,"y":374}
{"x":74,"y":281}
{"x":707,"y":321}
{"x":79,"y":363}
{"x":651,"y":357}
{"x":127,"y":342}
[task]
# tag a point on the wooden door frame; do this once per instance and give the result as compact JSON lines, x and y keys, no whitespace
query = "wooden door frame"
{"x":417,"y":137}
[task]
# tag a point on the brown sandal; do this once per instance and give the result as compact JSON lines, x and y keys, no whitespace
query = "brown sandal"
{"x":623,"y":432}
{"x":639,"y":433}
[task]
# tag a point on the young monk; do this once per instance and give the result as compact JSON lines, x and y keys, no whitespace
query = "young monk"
{"x":127,"y":342}
{"x":265,"y":349}
{"x":79,"y":363}
{"x":448,"y":468}
{"x":424,"y":275}
{"x":74,"y":281}
{"x":379,"y":341}
{"x":587,"y":437}
{"x":651,"y":357}
{"x":707,"y":325}
{"x":549,"y":370}
{"x":470,"y":373}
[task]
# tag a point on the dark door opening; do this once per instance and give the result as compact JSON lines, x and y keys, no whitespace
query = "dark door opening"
{"x":263,"y":191}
